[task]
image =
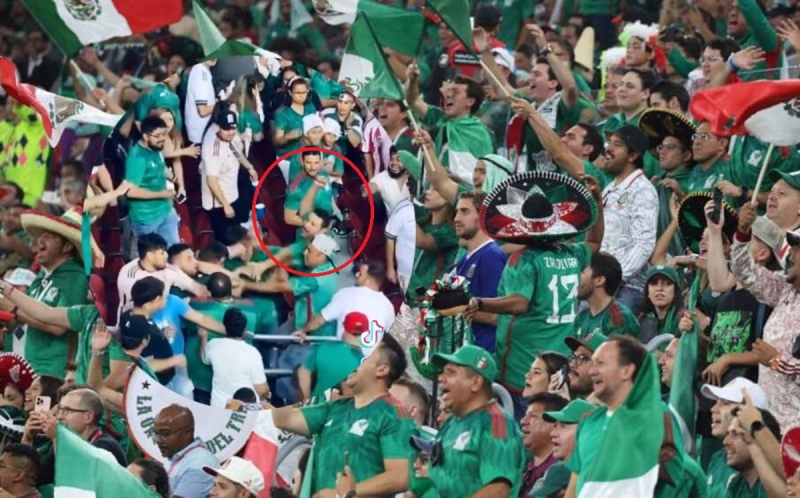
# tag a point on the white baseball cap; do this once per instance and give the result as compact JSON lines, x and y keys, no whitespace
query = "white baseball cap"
{"x":310,"y":122}
{"x":325,"y":244}
{"x":330,"y":125}
{"x":732,"y":392}
{"x":241,"y":472}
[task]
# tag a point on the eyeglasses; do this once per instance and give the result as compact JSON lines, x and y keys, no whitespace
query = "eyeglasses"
{"x":65,"y":410}
{"x":668,"y":147}
{"x":580,"y":359}
{"x":703,"y":137}
{"x":710,"y":59}
{"x":166,"y":434}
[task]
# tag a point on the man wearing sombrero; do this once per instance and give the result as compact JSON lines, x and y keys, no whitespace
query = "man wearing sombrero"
{"x":539,"y":285}
{"x":61,"y":282}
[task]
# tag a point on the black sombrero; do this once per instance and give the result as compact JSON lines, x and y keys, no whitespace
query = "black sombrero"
{"x":659,"y":123}
{"x":692,"y":219}
{"x":538,"y":206}
{"x":12,"y":424}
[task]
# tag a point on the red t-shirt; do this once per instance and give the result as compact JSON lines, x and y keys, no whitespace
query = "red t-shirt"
{"x":464,"y":62}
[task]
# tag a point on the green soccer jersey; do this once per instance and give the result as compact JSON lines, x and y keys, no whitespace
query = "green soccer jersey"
{"x":549,"y":278}
{"x":287,"y":120}
{"x":719,"y":474}
{"x":370,"y":435}
{"x":703,"y":180}
{"x":311,"y":294}
{"x":299,"y":187}
{"x":587,"y":442}
{"x":263,"y":306}
{"x":145,"y":168}
{"x":616,"y":318}
{"x":738,"y":487}
{"x":478,"y":449}
{"x":66,"y":286}
{"x":331,"y":363}
{"x":250,"y":120}
{"x":431,"y":265}
{"x":160,"y":97}
{"x":200,"y":373}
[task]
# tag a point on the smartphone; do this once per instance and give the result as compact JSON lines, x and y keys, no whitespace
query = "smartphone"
{"x":717,"y":196}
{"x":563,"y":376}
{"x":181,"y":199}
{"x":42,"y":404}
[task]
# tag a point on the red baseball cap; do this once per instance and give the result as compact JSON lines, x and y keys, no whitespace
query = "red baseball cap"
{"x":356,"y":323}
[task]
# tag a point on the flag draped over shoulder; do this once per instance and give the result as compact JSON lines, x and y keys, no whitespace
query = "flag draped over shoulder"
{"x":455,"y":14}
{"x":627,"y":458}
{"x":364,"y":67}
{"x":73,"y":24}
{"x":83,"y":471}
{"x":768,"y":110}
{"x":468,"y":139}
{"x":56,"y":111}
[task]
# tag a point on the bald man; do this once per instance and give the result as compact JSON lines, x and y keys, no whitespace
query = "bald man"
{"x":187,"y":454}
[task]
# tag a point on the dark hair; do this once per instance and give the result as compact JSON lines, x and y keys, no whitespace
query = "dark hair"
{"x":176,"y":249}
{"x":146,"y":290}
{"x":551,"y":75}
{"x":395,"y":356}
{"x":647,"y":77}
{"x":726,"y":46}
{"x":553,"y":361}
{"x":219,"y":285}
{"x":245,"y":395}
{"x":307,"y":153}
{"x":71,"y":366}
{"x":629,"y":351}
{"x":477,"y":198}
{"x":605,"y":265}
{"x":376,"y":269}
{"x":214,"y":251}
{"x":691,"y":45}
{"x":151,"y":124}
{"x":235,"y":322}
{"x":594,"y":139}
{"x":276,"y":492}
{"x":51,"y":387}
{"x":474,"y":91}
{"x":419,"y":393}
{"x":669,"y":90}
{"x":323,"y":215}
{"x":565,"y":45}
{"x":235,"y":234}
{"x":28,"y":453}
{"x":393,"y":150}
{"x":154,"y":474}
{"x":298,"y":81}
{"x":771,"y":423}
{"x":150,"y":242}
{"x":525,"y":49}
{"x":552,"y":402}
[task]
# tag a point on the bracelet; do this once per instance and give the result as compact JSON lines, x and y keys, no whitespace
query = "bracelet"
{"x":545,"y":51}
{"x":731,"y":65}
{"x":98,"y":352}
{"x":774,"y":362}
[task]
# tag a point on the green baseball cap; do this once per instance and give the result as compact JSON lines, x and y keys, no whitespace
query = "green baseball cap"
{"x":411,"y":164}
{"x":573,"y":413}
{"x":793,"y":178}
{"x":666,"y":271}
{"x":470,"y":356}
{"x":554,"y":480}
{"x":591,"y":341}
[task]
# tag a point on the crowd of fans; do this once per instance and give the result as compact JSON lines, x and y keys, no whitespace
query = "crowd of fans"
{"x":595,"y":221}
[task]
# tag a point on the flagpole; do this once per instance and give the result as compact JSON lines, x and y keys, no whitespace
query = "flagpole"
{"x":761,"y":174}
{"x":494,"y":77}
{"x":81,"y":75}
{"x":414,"y":123}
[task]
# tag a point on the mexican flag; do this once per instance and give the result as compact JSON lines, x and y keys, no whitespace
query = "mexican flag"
{"x":627,"y":463}
{"x":83,"y":471}
{"x":364,"y":67}
{"x":338,"y":12}
{"x":461,"y":142}
{"x":56,"y":111}
{"x":768,"y":110}
{"x":455,"y":14}
{"x":73,"y":24}
{"x":262,"y":449}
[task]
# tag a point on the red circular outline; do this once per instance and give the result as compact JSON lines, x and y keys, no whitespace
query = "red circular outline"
{"x":371,"y":212}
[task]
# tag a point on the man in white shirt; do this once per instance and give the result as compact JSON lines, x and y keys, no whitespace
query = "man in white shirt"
{"x":391,"y":183}
{"x":366,"y":297}
{"x":200,"y":100}
{"x":235,"y":363}
{"x":152,"y":262}
{"x":220,"y":160}
{"x":401,"y":239}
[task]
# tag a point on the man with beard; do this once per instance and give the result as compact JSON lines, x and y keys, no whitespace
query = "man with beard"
{"x":150,"y":200}
{"x":481,"y":261}
{"x":392,"y":184}
{"x":372,"y":428}
{"x":580,"y":363}
{"x":630,"y":208}
{"x":480,"y":446}
{"x":308,"y":190}
{"x":599,"y":283}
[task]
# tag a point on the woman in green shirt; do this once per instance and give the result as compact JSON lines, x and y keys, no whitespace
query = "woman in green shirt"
{"x":288,"y":127}
{"x":251,"y":114}
{"x":663,"y":303}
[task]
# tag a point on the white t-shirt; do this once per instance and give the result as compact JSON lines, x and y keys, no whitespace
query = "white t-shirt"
{"x":391,"y":191}
{"x":131,"y":272}
{"x":219,"y":160}
{"x":374,"y":304}
{"x":236,"y":364}
{"x":401,"y":227}
{"x":199,"y":91}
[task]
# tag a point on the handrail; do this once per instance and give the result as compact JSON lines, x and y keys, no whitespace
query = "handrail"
{"x":291,"y":338}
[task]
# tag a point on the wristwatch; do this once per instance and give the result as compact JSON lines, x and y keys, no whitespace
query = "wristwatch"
{"x":543,"y":53}
{"x":755,"y":427}
{"x":480,"y":303}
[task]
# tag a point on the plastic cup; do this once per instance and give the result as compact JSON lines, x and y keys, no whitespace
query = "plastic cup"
{"x":261,"y":211}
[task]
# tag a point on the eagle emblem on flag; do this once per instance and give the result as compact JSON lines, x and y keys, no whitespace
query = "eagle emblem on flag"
{"x":84,"y":10}
{"x":60,"y":109}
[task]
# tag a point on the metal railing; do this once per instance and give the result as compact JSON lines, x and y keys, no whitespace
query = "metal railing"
{"x":287,"y":339}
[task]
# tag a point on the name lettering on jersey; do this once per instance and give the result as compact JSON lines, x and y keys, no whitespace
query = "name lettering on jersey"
{"x":359,"y":427}
{"x":462,"y":441}
{"x":561,"y":263}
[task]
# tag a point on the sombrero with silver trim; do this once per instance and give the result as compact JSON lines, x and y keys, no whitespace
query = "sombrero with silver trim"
{"x":14,"y":369}
{"x":659,"y":123}
{"x":67,"y":226}
{"x":12,"y":424}
{"x":692,"y":219}
{"x":538,"y":206}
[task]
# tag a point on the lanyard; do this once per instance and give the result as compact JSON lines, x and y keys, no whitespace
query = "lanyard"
{"x":175,"y":463}
{"x":95,"y":436}
{"x":630,"y":182}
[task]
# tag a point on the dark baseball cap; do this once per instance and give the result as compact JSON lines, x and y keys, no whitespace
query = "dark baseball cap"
{"x":488,"y":17}
{"x":226,"y":120}
{"x":591,"y":341}
{"x":133,"y":329}
{"x":633,"y":137}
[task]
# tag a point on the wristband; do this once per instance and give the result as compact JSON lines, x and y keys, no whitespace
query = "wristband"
{"x":774,"y":361}
{"x":731,"y":65}
{"x":545,"y":51}
{"x":98,"y":352}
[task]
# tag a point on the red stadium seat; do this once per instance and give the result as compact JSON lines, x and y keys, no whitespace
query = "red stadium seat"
{"x":98,"y":288}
